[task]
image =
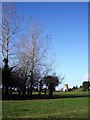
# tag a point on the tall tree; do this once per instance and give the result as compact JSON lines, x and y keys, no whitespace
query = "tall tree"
{"x":33,"y":55}
{"x":8,"y":43}
{"x":10,"y":26}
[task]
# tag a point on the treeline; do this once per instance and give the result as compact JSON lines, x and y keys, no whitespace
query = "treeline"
{"x":84,"y":87}
{"x":14,"y":82}
{"x":27,"y":59}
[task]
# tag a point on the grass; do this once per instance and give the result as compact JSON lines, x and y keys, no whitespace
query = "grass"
{"x":72,"y":93}
{"x":55,"y":108}
{"x":78,"y":93}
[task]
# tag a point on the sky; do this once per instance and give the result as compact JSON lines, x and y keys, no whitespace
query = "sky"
{"x":67,"y":22}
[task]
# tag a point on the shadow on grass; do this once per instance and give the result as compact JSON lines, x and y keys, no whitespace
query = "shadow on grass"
{"x":36,"y":97}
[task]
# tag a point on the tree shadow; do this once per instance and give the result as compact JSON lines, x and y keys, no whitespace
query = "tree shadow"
{"x":37,"y":97}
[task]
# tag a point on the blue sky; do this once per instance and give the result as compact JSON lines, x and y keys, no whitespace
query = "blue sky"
{"x":68,"y":24}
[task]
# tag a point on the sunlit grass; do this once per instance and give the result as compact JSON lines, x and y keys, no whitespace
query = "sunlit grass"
{"x":58,"y":108}
{"x":72,"y":93}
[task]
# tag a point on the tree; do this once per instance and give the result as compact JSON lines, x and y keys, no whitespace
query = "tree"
{"x":52,"y":81}
{"x":6,"y":77}
{"x":75,"y":88}
{"x":8,"y":43}
{"x":10,"y":79}
{"x":86,"y":85}
{"x":10,"y":26}
{"x":33,"y":56}
{"x":40,"y":87}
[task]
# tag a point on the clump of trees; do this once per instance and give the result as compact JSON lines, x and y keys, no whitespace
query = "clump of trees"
{"x":27,"y":61}
{"x":84,"y":87}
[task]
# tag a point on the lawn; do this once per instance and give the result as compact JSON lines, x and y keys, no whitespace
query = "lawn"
{"x":72,"y":93}
{"x":55,"y":108}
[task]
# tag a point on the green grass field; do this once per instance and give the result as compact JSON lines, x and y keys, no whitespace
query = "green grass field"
{"x":55,"y":108}
{"x":72,"y":93}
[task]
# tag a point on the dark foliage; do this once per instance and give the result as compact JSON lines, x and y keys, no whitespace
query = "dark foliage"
{"x":51,"y":82}
{"x":86,"y":85}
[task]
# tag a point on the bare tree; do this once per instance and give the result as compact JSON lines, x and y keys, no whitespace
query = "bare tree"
{"x":33,"y":55}
{"x":8,"y":39}
{"x":10,"y":26}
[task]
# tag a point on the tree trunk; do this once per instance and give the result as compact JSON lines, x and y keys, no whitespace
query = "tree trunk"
{"x":50,"y":90}
{"x":31,"y":87}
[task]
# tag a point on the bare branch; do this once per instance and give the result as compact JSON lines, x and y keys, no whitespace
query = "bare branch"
{"x":14,"y":53}
{"x":10,"y":25}
{"x":3,"y":27}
